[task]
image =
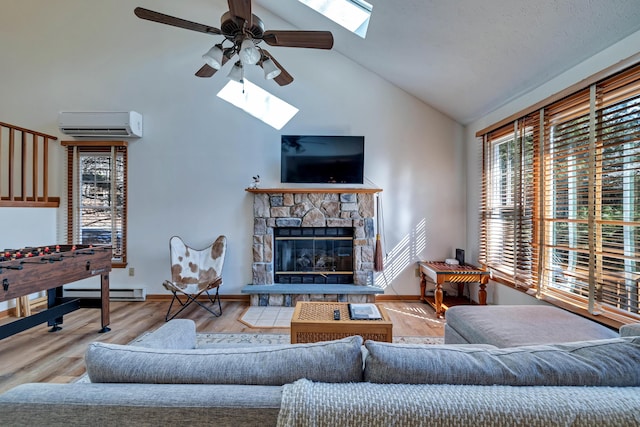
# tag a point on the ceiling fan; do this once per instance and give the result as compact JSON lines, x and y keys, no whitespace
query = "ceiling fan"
{"x":243,"y":32}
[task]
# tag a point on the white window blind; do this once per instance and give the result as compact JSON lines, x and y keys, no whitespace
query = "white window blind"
{"x":507,"y":208}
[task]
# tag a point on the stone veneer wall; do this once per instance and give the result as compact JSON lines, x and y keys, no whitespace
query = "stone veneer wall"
{"x":325,"y":209}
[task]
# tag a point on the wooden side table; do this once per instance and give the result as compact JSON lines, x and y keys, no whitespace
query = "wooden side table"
{"x":313,"y":322}
{"x":439,"y":272}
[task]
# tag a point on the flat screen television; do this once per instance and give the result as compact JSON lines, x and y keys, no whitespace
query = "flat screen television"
{"x":322,"y":159}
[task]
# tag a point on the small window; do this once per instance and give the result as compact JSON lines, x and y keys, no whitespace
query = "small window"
{"x":97,"y":195}
{"x":351,"y":14}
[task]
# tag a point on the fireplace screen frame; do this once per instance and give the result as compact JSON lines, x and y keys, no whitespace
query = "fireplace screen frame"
{"x":314,"y":255}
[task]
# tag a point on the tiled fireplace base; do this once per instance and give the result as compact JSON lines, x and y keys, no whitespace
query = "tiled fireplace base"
{"x":289,"y":295}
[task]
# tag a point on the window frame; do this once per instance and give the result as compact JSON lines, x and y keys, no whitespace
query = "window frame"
{"x":342,"y":13}
{"x":571,"y":189}
{"x":100,"y":148}
{"x":507,"y":227}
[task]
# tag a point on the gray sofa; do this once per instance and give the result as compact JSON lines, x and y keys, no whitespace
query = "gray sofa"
{"x":162,"y":379}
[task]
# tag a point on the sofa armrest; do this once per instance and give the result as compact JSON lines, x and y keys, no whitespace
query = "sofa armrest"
{"x":176,"y":334}
{"x":632,"y":330}
{"x":139,"y":404}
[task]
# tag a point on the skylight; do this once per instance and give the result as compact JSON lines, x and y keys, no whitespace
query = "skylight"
{"x":351,"y":14}
{"x":258,"y":102}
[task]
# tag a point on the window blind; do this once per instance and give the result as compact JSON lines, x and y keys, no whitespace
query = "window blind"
{"x":507,"y":207}
{"x":496,"y":231}
{"x":617,"y":205}
{"x":567,"y":185}
{"x":560,"y":206}
{"x":97,"y":201}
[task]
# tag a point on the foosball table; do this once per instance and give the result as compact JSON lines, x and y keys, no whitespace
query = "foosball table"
{"x":48,"y":268}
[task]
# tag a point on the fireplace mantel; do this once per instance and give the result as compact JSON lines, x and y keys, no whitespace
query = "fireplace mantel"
{"x":314,"y":190}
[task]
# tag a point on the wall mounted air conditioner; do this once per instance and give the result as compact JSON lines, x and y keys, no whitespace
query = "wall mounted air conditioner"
{"x":125,"y":124}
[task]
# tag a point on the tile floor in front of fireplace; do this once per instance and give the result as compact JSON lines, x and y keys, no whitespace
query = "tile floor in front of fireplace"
{"x":267,"y":317}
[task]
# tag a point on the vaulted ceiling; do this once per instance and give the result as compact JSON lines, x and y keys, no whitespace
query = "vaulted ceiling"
{"x":468,"y":57}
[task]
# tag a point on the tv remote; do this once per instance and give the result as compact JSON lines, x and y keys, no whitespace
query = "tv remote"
{"x":336,"y":314}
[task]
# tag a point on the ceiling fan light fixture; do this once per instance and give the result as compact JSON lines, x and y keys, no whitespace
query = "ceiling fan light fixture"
{"x":271,"y":70}
{"x":237,"y":72}
{"x":244,"y":31}
{"x":249,"y":54}
{"x":213,"y":57}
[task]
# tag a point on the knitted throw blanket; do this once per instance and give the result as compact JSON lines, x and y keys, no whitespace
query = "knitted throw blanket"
{"x":305,"y":403}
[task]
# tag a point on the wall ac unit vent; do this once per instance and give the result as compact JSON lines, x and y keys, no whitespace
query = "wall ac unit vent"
{"x":137,"y":294}
{"x":127,"y":124}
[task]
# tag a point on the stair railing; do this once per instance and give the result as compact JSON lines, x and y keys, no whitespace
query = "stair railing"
{"x":24,"y":168}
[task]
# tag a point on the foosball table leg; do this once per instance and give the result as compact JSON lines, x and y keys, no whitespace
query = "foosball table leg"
{"x":104,"y":329}
{"x":53,"y":295}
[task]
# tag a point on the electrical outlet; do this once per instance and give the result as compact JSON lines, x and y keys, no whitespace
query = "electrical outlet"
{"x":132,"y":271}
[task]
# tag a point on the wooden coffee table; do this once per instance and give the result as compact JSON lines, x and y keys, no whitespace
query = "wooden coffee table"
{"x":313,"y":322}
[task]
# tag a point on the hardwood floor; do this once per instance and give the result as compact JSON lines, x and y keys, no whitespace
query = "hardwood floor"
{"x":37,"y":355}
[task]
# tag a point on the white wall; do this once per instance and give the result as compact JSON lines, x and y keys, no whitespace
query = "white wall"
{"x":188,"y":174}
{"x":36,"y":227}
{"x":498,"y":294}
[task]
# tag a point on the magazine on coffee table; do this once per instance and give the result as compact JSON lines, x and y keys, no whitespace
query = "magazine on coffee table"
{"x":365,"y":311}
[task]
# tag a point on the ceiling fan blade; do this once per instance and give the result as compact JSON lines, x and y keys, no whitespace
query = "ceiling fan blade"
{"x":207,"y":70}
{"x":284,"y":78}
{"x":308,"y":39}
{"x":161,"y":18}
{"x":241,"y":9}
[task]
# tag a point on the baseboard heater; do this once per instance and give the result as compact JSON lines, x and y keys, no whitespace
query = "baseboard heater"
{"x":135,"y":294}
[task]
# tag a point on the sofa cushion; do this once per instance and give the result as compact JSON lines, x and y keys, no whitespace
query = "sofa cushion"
{"x":612,"y":362}
{"x":174,"y":334}
{"x":515,"y":325}
{"x":422,"y":405}
{"x":631,"y":330}
{"x":330,"y":361}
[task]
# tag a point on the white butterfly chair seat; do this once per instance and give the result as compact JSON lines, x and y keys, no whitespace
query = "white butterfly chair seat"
{"x":194,"y":272}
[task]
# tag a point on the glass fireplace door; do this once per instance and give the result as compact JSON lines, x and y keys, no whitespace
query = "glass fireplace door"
{"x":322,"y":255}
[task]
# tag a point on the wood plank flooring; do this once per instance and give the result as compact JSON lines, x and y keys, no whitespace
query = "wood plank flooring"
{"x":37,"y":355}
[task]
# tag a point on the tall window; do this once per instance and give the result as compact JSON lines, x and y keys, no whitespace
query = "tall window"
{"x":573,"y":234}
{"x":508,"y":202}
{"x":97,"y":195}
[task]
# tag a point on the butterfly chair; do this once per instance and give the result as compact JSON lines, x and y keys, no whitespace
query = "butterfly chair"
{"x":193,"y":273}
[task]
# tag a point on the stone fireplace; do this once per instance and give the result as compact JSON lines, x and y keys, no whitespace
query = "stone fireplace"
{"x":312,"y":244}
